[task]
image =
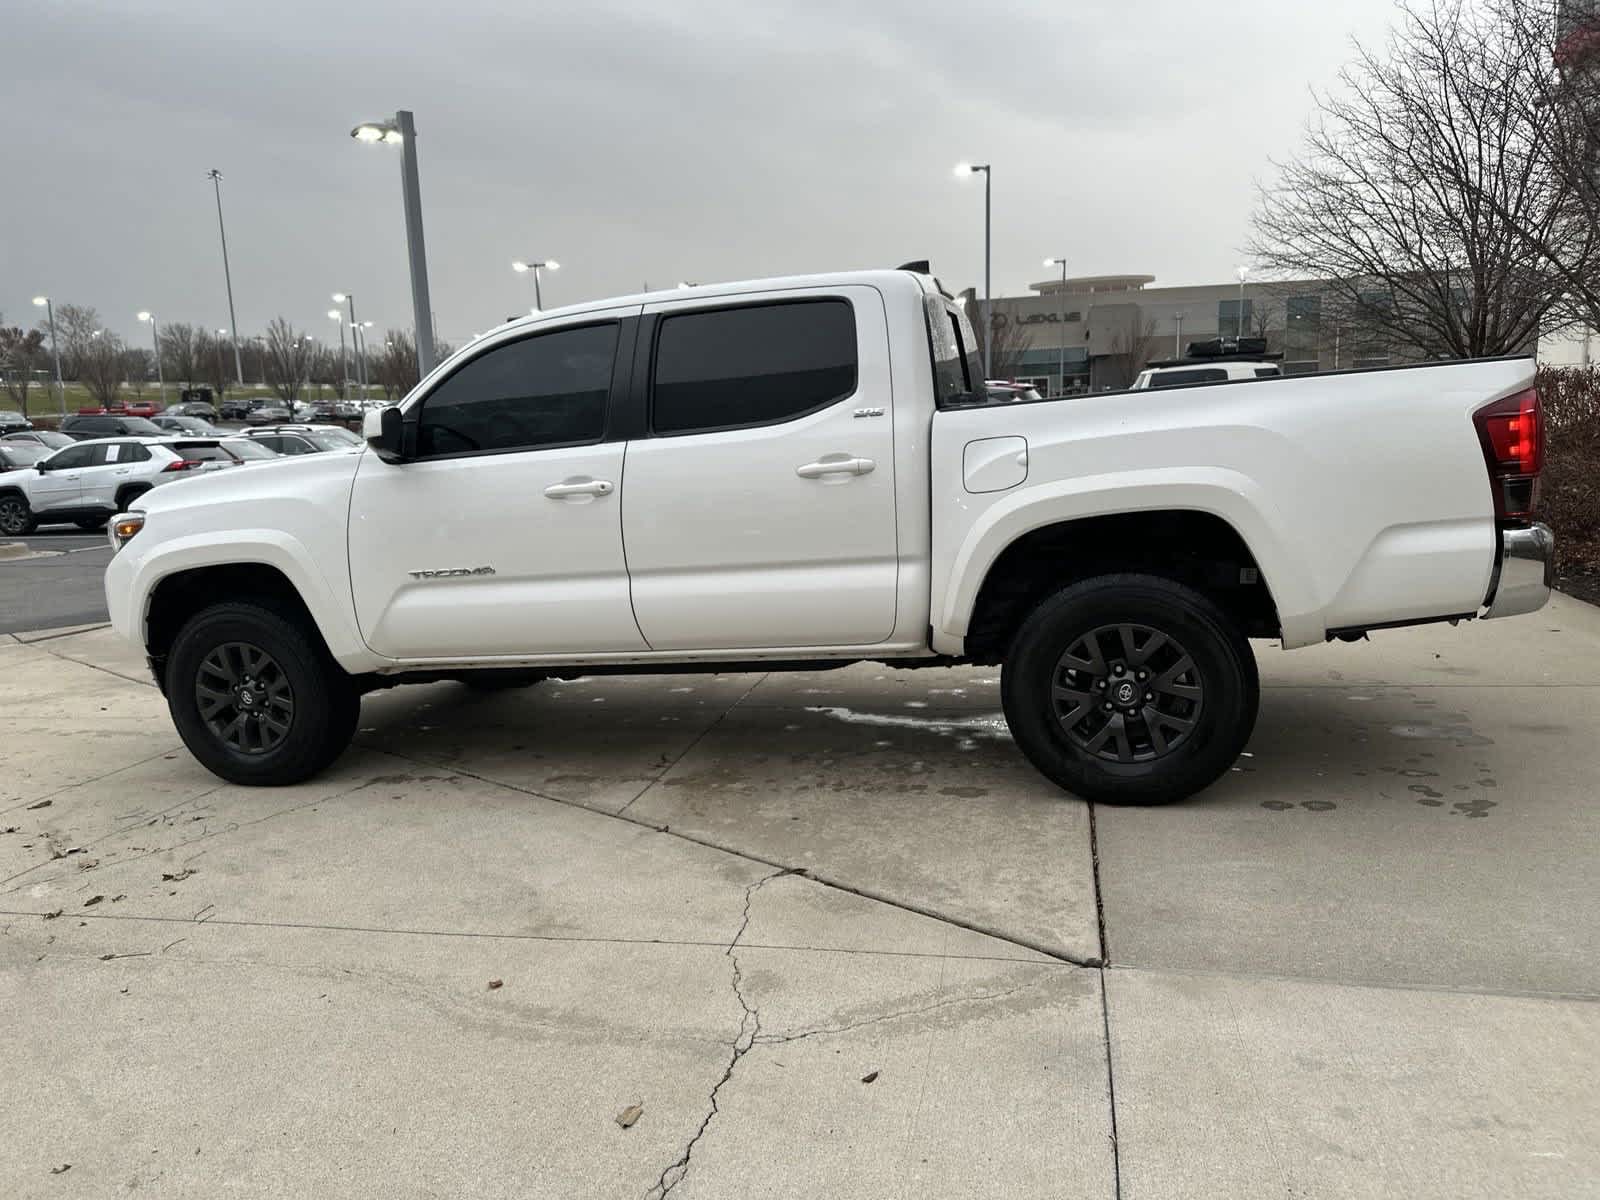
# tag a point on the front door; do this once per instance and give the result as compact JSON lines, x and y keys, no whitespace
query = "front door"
{"x":58,"y":486}
{"x":761,"y":507}
{"x":503,"y":534}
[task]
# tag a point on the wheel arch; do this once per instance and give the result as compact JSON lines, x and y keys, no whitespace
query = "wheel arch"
{"x":1191,"y":546}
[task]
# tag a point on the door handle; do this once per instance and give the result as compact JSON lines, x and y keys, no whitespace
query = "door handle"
{"x":579,"y":487}
{"x":835,"y":464}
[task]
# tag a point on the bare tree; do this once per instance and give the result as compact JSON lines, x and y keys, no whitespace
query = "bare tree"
{"x":75,"y":328}
{"x":1007,"y":345}
{"x":180,"y":351}
{"x":100,"y":368}
{"x":1132,"y":344}
{"x":396,"y":368}
{"x":21,"y":353}
{"x":287,"y":355}
{"x":1422,"y":190}
{"x":214,"y":363}
{"x":138,"y":368}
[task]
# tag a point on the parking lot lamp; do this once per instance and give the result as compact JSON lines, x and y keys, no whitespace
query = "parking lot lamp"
{"x":963,"y":170}
{"x":522,"y":268}
{"x":402,"y":131}
{"x":1243,"y":273}
{"x":227,"y":276}
{"x":155,"y":340}
{"x":55,"y":352}
{"x":348,"y":298}
{"x":1060,"y":261}
{"x":344,"y":362}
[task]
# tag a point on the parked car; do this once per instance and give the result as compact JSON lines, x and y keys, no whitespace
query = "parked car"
{"x":167,"y":422}
{"x":15,"y":456}
{"x":128,"y":408}
{"x":237,"y":408}
{"x":1217,"y":360}
{"x":89,"y":481}
{"x":47,"y":438}
{"x":815,"y":472}
{"x":98,"y":425}
{"x":1009,"y":392}
{"x":268,"y":414}
{"x":348,"y":410}
{"x":305,"y":439}
{"x":200,"y":409}
{"x":11,"y":421}
{"x":247,"y":450}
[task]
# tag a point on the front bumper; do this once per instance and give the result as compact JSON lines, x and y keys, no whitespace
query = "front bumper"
{"x":1525,"y":572}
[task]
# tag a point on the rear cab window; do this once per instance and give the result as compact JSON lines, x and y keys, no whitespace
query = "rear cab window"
{"x":751,"y":365}
{"x":957,"y":369}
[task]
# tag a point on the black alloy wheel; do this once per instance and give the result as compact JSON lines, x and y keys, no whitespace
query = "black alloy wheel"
{"x":1127,"y":693}
{"x":244,"y":698}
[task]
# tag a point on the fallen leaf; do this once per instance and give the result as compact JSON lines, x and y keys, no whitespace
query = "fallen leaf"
{"x":88,"y":864}
{"x":41,"y":804}
{"x":175,"y":876}
{"x":12,"y":828}
{"x":496,"y":983}
{"x":61,"y":1170}
{"x":869,"y":1077}
{"x":119,"y":896}
{"x":629,"y":1115}
{"x":92,"y":900}
{"x":52,"y":914}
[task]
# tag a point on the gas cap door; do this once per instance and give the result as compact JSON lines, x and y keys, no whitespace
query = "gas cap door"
{"x":994,"y":464}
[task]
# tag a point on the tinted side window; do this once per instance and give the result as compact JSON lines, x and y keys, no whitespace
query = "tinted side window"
{"x":752,"y":366}
{"x":133,"y":452}
{"x":546,"y":390}
{"x":70,"y":458}
{"x":1175,"y":378}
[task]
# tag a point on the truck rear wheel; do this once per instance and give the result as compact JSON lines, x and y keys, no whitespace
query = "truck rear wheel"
{"x":1130,"y":689}
{"x":255,"y":697}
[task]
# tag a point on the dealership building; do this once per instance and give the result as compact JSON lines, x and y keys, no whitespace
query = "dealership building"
{"x":1087,"y":333}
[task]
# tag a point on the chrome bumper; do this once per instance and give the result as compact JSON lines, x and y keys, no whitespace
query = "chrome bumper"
{"x":1525,"y":571}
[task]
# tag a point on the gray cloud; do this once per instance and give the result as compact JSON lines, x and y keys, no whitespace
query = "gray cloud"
{"x":702,"y":139}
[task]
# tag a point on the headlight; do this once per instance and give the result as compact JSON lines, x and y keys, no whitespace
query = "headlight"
{"x":122,"y":528}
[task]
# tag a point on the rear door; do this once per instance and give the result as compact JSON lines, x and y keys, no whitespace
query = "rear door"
{"x":57,"y":486}
{"x":759,"y":508}
{"x":109,"y":468}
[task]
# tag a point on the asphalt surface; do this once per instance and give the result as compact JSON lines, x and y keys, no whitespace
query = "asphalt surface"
{"x":61,"y":589}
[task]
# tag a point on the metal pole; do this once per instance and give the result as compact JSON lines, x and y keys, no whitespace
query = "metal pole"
{"x":420,"y":305}
{"x":538,"y":299}
{"x":344,"y":363}
{"x":356,"y":344}
{"x":1177,"y":339}
{"x":1061,"y":367}
{"x":233,"y":322}
{"x":1239,"y":330}
{"x":55,"y":353}
{"x":988,"y":306}
{"x":161,"y":378}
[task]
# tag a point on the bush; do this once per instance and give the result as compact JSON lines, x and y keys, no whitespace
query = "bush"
{"x":1570,"y":489}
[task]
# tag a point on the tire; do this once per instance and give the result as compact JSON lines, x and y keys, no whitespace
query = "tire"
{"x":16,"y":518}
{"x":500,"y":679}
{"x":288,"y":712}
{"x":127,"y":496}
{"x":1190,"y":713}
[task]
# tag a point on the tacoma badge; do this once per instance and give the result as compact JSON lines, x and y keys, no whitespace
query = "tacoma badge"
{"x":451,"y":572}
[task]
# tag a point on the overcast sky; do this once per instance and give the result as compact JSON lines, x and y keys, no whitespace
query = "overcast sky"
{"x":680,"y":139}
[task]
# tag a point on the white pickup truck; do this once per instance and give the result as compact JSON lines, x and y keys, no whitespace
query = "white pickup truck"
{"x":809,"y":471}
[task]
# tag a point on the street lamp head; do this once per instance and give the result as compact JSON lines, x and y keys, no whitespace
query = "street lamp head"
{"x":1055,"y":262}
{"x":144,"y":316}
{"x":339,"y":297}
{"x":551,"y":265}
{"x":41,"y":301}
{"x":519,"y":266}
{"x":333,"y":314}
{"x":376,"y":131}
{"x":1243,"y":273}
{"x":963,"y":169}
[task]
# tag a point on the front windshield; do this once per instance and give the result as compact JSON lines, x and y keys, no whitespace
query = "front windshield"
{"x":20,"y":454}
{"x":334,"y":439}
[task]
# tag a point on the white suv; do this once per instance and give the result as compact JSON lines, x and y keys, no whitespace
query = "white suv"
{"x":87,"y":482}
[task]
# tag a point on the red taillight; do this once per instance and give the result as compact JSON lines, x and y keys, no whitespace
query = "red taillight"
{"x":1511,"y":432}
{"x":183,"y":464}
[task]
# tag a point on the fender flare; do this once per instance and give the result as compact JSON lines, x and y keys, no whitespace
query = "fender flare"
{"x":1222,"y":493}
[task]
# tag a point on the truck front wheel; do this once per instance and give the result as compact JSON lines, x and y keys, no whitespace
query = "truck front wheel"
{"x":1130,"y":689}
{"x":256,"y":698}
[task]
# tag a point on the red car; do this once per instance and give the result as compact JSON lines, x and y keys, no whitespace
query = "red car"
{"x":136,"y":408}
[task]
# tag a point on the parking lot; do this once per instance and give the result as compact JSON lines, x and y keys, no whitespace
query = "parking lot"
{"x":811,"y":935}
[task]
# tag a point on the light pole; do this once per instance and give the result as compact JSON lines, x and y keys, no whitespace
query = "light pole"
{"x":221,"y":335}
{"x":522,"y":268}
{"x":964,"y":169}
{"x":344,"y":363}
{"x":355,"y":339}
{"x":1243,"y":273}
{"x":55,"y":352}
{"x":155,"y":340}
{"x":227,"y":276}
{"x":403,"y":132}
{"x":1177,"y":339}
{"x":1060,"y":261}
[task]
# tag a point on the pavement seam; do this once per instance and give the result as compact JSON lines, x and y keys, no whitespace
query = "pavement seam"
{"x":700,"y":737}
{"x":28,"y":802}
{"x":1099,"y":896}
{"x":1438,"y":989}
{"x":577,"y":939}
{"x":748,"y":856}
{"x":1111,"y":1087}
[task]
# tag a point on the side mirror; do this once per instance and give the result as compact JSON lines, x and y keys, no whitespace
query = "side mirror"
{"x":384,"y":429}
{"x":40,"y":467}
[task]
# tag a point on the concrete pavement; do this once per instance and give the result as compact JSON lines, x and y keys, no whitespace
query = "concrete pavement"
{"x":826,"y":931}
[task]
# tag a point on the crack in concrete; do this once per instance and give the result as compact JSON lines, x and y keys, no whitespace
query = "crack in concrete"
{"x":749,"y":1029}
{"x":780,"y":1039}
{"x":689,"y":749}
